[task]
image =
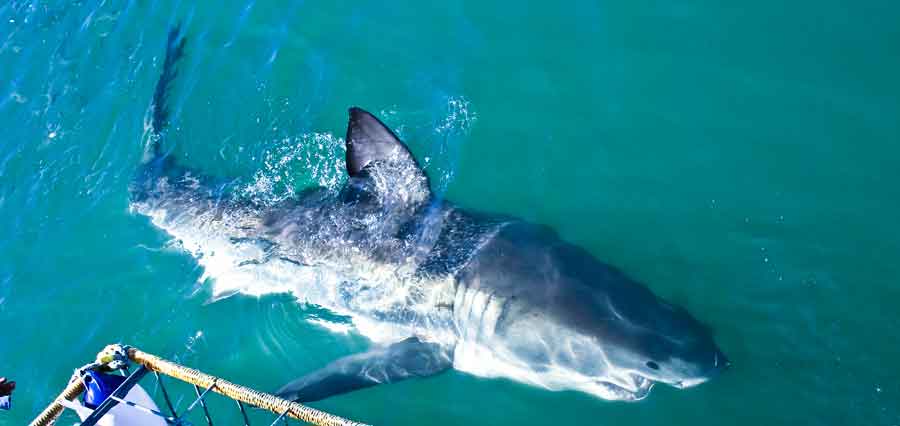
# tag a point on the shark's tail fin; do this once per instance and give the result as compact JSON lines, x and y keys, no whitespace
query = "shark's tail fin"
{"x":159,"y":109}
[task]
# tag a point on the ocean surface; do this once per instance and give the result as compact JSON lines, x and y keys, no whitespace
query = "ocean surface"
{"x":742,"y":160}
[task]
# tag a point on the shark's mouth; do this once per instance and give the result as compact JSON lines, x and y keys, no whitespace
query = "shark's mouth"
{"x":638,"y":388}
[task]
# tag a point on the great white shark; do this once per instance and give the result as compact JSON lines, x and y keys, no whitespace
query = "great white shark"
{"x":436,"y":286}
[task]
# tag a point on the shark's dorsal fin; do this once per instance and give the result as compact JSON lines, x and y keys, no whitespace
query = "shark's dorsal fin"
{"x":369,"y":140}
{"x":380,"y":160}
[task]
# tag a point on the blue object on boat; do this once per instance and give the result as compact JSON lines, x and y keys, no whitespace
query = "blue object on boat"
{"x":99,"y":387}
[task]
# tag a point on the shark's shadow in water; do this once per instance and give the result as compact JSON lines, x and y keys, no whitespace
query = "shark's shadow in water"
{"x":487,"y":294}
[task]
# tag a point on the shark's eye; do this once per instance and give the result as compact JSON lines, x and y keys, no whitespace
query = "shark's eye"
{"x":652,"y":365}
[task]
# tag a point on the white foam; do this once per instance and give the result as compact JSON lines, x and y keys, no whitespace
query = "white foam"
{"x":334,"y":327}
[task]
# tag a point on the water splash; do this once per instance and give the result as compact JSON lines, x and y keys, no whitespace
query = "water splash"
{"x":460,"y":117}
{"x":312,"y":159}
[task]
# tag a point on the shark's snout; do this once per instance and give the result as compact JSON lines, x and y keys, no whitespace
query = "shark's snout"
{"x":719,"y":364}
{"x":720,"y":361}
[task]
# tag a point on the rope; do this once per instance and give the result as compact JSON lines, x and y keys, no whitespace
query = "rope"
{"x":72,"y":390}
{"x":239,"y":393}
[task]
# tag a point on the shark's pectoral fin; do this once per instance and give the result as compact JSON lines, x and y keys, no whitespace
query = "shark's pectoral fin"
{"x":380,"y":164}
{"x":408,"y":358}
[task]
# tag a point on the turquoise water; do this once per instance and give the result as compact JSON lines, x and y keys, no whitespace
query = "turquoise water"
{"x":740,"y":160}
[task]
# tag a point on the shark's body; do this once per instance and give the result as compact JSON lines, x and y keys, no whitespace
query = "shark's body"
{"x":434,"y":285}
